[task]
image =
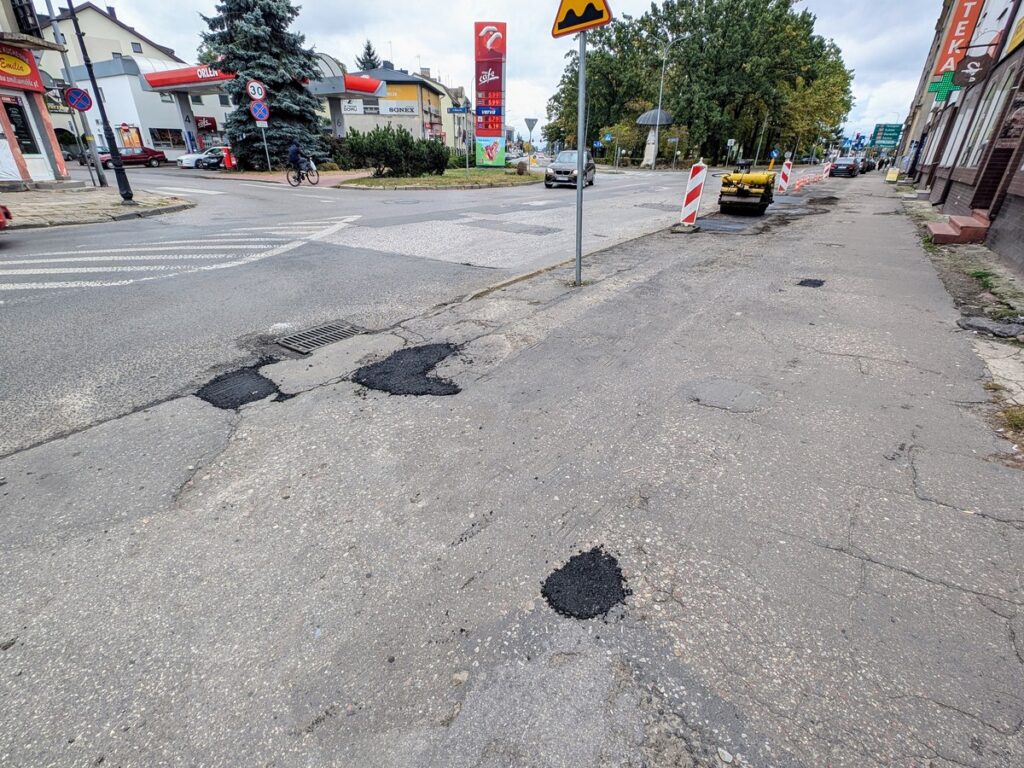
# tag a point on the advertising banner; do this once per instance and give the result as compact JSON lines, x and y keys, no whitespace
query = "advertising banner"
{"x":961,"y":30}
{"x":985,"y":44}
{"x":1016,"y":32}
{"x":18,"y":70}
{"x":490,"y":151}
{"x":491,"y":46}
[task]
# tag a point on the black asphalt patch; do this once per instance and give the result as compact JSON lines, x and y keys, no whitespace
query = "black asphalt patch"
{"x":811,"y":283}
{"x":589,"y":585}
{"x":236,"y":388}
{"x":407,"y":372}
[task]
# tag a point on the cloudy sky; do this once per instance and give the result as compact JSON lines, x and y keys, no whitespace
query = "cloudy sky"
{"x":885,"y":41}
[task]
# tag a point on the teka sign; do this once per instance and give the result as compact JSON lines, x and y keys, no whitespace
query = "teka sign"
{"x":961,"y":30}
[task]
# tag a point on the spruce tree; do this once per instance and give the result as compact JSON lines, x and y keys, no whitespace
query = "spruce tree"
{"x":251,"y":39}
{"x":368,"y":59}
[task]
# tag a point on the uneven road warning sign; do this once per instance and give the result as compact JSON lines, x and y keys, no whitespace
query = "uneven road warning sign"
{"x":580,"y":15}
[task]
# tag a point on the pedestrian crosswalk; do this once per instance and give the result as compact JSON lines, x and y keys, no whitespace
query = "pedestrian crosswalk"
{"x":92,"y":267}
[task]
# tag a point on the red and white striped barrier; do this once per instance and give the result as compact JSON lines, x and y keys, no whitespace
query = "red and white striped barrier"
{"x":784,"y":174}
{"x":826,"y":169}
{"x":694,"y":191}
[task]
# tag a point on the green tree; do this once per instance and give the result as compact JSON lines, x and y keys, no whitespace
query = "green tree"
{"x":251,"y":39}
{"x":368,"y":59}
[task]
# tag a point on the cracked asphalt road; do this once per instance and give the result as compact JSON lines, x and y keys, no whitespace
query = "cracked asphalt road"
{"x":801,"y":488}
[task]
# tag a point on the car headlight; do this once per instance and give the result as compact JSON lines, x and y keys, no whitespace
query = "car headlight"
{"x":573,"y":172}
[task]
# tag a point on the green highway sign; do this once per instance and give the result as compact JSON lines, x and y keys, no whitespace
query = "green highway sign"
{"x":886,"y":135}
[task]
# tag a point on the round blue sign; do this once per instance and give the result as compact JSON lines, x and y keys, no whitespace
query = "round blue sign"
{"x":259,"y":110}
{"x":78,"y":99}
{"x":775,"y":154}
{"x":608,"y":137}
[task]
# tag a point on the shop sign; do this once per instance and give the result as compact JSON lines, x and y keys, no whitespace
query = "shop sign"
{"x":208,"y":124}
{"x":352,"y":107}
{"x":489,"y":76}
{"x":1016,"y":32}
{"x":18,"y":70}
{"x":399,"y":108}
{"x":958,"y":37}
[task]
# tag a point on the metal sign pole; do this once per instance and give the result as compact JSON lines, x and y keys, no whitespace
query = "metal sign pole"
{"x":265,"y":148}
{"x":581,"y":140}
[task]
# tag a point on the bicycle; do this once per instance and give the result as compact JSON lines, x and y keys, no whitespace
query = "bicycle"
{"x":308,"y":172}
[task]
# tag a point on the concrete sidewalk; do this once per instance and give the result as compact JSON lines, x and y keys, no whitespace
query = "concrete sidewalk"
{"x":89,"y":205}
{"x":815,"y":520}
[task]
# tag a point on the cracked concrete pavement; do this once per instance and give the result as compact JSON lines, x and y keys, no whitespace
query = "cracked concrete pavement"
{"x":813,"y":514}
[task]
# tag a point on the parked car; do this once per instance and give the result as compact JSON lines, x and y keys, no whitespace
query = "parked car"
{"x":563,"y":170}
{"x":200,"y":159}
{"x":808,"y":160}
{"x":131,"y":156}
{"x":845,"y":166}
{"x":866,"y":164}
{"x":5,"y":216}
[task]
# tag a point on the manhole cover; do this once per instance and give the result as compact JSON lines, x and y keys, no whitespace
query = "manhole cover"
{"x":306,"y":341}
{"x":811,"y":283}
{"x":236,"y":388}
{"x":589,"y":585}
{"x":407,"y":372}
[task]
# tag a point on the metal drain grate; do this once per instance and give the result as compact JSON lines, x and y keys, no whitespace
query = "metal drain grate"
{"x":306,"y":341}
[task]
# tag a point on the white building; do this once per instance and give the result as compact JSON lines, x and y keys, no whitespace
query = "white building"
{"x":139,"y":114}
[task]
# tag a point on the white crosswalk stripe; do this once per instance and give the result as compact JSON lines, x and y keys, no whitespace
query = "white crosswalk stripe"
{"x":188,"y":191}
{"x":148,"y":261}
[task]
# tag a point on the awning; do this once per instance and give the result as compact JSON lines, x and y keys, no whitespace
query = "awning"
{"x":207,"y":79}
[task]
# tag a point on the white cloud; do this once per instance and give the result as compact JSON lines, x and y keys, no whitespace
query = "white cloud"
{"x":884,"y":41}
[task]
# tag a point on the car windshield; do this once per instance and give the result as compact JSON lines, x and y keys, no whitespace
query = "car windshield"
{"x":566,"y":157}
{"x":845,"y":161}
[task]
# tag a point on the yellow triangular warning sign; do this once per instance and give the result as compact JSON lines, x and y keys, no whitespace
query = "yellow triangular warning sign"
{"x":579,"y":15}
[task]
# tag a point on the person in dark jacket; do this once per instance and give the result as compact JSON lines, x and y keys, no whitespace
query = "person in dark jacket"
{"x":295,"y":156}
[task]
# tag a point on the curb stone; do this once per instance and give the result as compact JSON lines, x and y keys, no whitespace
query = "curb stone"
{"x":144,"y":213}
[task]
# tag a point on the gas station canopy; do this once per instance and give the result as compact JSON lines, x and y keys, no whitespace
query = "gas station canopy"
{"x":208,"y":80}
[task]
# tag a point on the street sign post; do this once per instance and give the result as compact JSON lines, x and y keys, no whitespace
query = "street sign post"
{"x":457,"y":110}
{"x":577,"y":16}
{"x":78,"y":99}
{"x":256,"y":90}
{"x":531,"y":123}
{"x":259,"y":110}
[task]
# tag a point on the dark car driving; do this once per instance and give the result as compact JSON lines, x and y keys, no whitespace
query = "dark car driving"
{"x":845,"y":166}
{"x":563,"y":170}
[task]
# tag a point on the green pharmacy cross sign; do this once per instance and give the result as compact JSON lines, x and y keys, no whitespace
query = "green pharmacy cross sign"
{"x":943,"y":87}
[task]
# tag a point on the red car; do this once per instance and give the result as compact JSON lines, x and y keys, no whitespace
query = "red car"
{"x":5,"y":216}
{"x":135,"y":156}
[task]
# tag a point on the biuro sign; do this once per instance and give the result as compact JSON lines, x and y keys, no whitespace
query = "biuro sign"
{"x":961,"y":29}
{"x":18,"y":70}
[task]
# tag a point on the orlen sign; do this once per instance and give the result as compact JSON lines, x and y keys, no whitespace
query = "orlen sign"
{"x":961,"y":30}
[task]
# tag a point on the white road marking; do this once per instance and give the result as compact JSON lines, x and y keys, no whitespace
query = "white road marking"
{"x":136,"y":257}
{"x":540,"y":202}
{"x":247,"y":259}
{"x":189,"y":191}
{"x":144,"y":248}
{"x":85,"y":270}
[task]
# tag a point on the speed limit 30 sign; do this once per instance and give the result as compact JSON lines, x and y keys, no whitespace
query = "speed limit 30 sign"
{"x":256,"y":90}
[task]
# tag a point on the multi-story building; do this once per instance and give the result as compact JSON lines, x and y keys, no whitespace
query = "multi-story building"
{"x":122,"y":59}
{"x":29,"y":149}
{"x":973,"y":159}
{"x":457,"y":128}
{"x":411,"y":102}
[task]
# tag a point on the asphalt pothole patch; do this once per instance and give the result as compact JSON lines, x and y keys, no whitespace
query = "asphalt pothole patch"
{"x":587,"y":586}
{"x":408,"y":372}
{"x":234,"y":389}
{"x":811,"y":283}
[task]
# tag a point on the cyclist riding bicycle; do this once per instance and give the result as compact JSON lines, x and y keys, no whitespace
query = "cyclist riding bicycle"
{"x":296,"y":159}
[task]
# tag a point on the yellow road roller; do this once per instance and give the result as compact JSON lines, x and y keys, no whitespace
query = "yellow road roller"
{"x":746,"y":192}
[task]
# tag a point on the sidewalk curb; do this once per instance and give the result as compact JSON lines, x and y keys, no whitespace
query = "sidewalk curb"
{"x":145,"y":213}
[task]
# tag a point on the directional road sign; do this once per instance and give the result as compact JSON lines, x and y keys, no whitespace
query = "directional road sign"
{"x":259,"y":110}
{"x":257,"y":91}
{"x":580,"y":15}
{"x":608,"y":137}
{"x":78,"y":99}
{"x":457,"y":110}
{"x":774,"y":154}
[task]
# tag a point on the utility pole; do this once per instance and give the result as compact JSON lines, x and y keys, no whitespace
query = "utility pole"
{"x":90,"y":144}
{"x":123,"y":186}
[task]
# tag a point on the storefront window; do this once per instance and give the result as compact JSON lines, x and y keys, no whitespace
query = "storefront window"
{"x":166,"y":138}
{"x":963,"y":119}
{"x":991,"y":108}
{"x":18,"y":116}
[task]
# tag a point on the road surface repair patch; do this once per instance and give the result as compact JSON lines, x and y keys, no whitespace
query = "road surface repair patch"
{"x":236,"y":388}
{"x":589,"y":585}
{"x":407,"y":372}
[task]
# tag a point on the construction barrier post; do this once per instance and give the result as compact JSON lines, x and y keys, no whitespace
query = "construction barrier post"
{"x":784,"y":174}
{"x":694,"y":191}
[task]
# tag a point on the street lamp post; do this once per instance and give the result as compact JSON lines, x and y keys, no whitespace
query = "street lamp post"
{"x":123,"y":187}
{"x":661,"y":94}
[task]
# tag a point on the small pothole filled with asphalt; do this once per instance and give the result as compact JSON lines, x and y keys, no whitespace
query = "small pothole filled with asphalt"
{"x":587,"y":586}
{"x":234,"y":389}
{"x":408,"y":372}
{"x":811,"y":283}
